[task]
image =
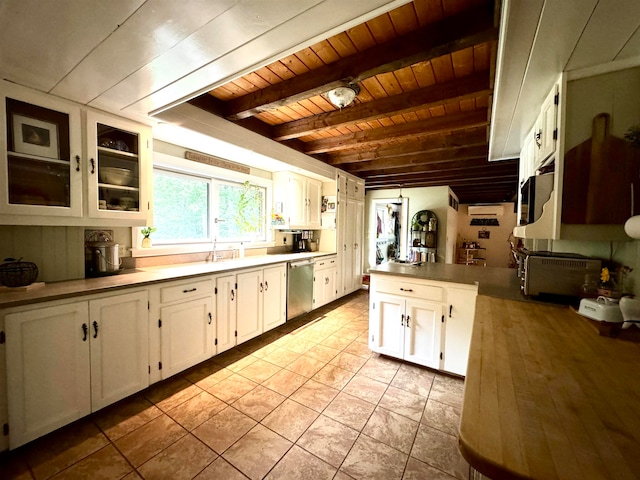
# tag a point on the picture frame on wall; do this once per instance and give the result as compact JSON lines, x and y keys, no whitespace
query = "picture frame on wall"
{"x":35,"y":137}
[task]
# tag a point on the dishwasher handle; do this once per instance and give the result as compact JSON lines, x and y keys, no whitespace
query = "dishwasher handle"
{"x":302,"y":263}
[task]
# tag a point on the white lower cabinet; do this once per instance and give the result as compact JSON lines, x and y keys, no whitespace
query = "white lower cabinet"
{"x":67,"y":360}
{"x":274,"y":302}
{"x":249,"y":303}
{"x":249,"y":306}
{"x":325,"y":281}
{"x":187,"y":325}
{"x":406,"y":328}
{"x":461,"y":308}
{"x":422,"y":321}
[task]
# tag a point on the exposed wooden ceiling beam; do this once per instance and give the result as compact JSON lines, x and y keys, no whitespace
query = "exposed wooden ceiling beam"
{"x":428,"y":182}
{"x":435,"y":95}
{"x":464,"y":167}
{"x":444,"y":142}
{"x":431,"y":126}
{"x":431,"y":41}
{"x":442,"y":177}
{"x":444,"y":156}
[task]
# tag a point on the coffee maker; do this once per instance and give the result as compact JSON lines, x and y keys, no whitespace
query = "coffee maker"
{"x":299,"y":242}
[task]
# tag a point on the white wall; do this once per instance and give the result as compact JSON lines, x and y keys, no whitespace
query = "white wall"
{"x":497,"y":248}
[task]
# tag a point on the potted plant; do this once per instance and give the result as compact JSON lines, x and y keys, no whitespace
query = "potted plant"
{"x":146,"y":233}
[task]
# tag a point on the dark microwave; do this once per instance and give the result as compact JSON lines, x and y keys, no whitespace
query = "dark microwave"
{"x":534,"y":193}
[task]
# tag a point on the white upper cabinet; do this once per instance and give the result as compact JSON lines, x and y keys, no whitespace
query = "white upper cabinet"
{"x":41,"y":149}
{"x":298,"y":200}
{"x":546,"y":131}
{"x":57,"y":170}
{"x":118,"y":168}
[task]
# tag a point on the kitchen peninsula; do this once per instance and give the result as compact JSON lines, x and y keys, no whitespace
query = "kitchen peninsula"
{"x":545,"y":396}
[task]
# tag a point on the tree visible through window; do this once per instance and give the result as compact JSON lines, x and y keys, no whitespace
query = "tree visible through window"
{"x":241,"y":208}
{"x":192,"y":209}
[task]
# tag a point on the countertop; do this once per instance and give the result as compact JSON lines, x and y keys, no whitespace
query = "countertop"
{"x":492,"y":281}
{"x":546,"y":397}
{"x":140,"y":277}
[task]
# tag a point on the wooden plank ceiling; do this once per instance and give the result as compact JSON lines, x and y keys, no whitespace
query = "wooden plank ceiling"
{"x":425,"y":73}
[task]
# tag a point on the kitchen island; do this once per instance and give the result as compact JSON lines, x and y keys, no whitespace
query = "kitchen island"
{"x":545,"y":396}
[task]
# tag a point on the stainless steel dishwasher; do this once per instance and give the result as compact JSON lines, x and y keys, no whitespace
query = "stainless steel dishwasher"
{"x":299,"y":287}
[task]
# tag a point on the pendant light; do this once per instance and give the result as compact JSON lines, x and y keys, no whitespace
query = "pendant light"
{"x":400,"y":195}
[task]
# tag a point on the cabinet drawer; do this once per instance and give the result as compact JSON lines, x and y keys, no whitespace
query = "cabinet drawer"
{"x":327,"y":262}
{"x":186,"y":290}
{"x":408,"y":289}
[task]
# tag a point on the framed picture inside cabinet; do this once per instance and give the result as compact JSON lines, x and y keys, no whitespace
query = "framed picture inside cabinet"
{"x":35,"y":137}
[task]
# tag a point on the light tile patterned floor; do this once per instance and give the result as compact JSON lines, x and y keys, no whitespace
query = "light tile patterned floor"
{"x":307,"y":401}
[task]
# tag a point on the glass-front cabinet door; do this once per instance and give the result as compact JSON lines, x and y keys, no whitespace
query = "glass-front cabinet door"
{"x":40,"y":156}
{"x":118,"y":152}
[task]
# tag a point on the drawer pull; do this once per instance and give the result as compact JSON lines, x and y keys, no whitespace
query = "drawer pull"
{"x":189,"y":290}
{"x":84,"y":332}
{"x":95,"y":329}
{"x":406,"y":289}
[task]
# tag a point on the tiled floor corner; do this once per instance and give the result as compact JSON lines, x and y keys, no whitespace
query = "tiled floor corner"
{"x":307,"y":400}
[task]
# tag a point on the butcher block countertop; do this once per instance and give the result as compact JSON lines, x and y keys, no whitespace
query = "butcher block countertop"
{"x":546,"y":397}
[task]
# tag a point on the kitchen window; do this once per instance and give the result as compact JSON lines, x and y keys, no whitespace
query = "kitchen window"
{"x":192,"y":210}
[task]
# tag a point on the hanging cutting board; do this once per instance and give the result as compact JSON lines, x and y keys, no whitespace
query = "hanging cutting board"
{"x":600,"y":178}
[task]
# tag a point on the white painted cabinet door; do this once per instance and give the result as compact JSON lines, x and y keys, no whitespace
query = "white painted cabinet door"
{"x":386,"y":324}
{"x":225,"y":312}
{"x":275,"y":297}
{"x":350,"y":246}
{"x":119,"y":347}
{"x":186,"y":335}
{"x":249,"y":305}
{"x":458,"y":326}
{"x":358,"y":245}
{"x":48,"y":372}
{"x":314,"y":203}
{"x":546,"y":137}
{"x":37,"y":180}
{"x":297,"y":202}
{"x":422,"y":332}
{"x":118,"y":143}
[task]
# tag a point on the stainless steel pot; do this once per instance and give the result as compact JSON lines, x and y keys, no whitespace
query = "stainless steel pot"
{"x":105,"y":257}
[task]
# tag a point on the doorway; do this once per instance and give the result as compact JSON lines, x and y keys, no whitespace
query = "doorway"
{"x":388,"y":226}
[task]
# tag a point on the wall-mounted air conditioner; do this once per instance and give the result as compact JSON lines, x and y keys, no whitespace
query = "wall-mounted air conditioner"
{"x":486,"y":210}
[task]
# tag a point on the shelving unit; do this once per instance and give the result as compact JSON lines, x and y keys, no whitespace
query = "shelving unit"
{"x":424,"y":236}
{"x":470,"y":256}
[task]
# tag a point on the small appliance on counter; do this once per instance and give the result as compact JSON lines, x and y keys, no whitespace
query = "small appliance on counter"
{"x":557,"y":273}
{"x":602,"y":309}
{"x":103,"y":255}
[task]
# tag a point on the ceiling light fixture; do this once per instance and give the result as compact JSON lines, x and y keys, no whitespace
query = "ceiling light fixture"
{"x":343,"y":96}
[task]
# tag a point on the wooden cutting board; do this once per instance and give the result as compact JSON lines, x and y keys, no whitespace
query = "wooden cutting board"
{"x":600,"y":178}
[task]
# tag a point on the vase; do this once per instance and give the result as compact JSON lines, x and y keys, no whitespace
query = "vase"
{"x":146,"y":242}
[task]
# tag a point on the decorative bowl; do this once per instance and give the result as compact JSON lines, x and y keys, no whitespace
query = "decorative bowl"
{"x":115,"y":176}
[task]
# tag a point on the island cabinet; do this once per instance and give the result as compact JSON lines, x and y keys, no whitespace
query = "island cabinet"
{"x":186,"y":325}
{"x":422,"y":321}
{"x":66,"y":360}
